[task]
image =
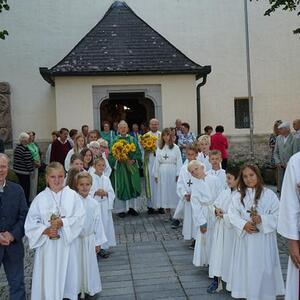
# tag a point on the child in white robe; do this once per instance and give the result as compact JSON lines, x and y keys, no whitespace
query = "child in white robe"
{"x":221,"y":250}
{"x":201,"y":199}
{"x":255,"y":271}
{"x":289,"y":223}
{"x":53,"y":224}
{"x":166,"y":170}
{"x":104,"y":194}
{"x":184,"y":209}
{"x":203,"y":151}
{"x":92,"y":237}
{"x":215,"y":159}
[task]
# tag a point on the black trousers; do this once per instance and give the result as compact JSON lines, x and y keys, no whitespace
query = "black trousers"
{"x":224,"y":164}
{"x":24,"y":181}
{"x":14,"y":270}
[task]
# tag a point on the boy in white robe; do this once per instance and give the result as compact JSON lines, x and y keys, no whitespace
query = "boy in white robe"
{"x":201,"y":199}
{"x":255,"y":271}
{"x":203,"y":151}
{"x":184,"y":209}
{"x":220,"y":257}
{"x":104,"y":194}
{"x":53,"y":224}
{"x":92,"y":237}
{"x":289,"y":223}
{"x":215,"y":159}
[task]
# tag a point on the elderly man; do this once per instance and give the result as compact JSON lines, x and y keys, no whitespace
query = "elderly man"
{"x":286,"y":145}
{"x":13,"y":210}
{"x":149,"y":158}
{"x":296,"y":126}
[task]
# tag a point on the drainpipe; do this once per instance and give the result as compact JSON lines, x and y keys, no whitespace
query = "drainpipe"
{"x":202,"y":83}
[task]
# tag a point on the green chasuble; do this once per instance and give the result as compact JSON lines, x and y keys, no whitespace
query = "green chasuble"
{"x":125,"y":178}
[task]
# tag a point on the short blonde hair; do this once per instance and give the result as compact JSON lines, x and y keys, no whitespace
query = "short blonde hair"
{"x":195,"y":163}
{"x":82,"y":175}
{"x":204,"y":139}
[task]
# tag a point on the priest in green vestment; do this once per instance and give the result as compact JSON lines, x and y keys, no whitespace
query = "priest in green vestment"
{"x":125,"y":176}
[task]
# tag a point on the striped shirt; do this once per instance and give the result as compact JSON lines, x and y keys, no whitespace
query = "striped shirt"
{"x":23,"y":161}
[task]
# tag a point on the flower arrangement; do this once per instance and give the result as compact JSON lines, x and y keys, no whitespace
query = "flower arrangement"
{"x":121,"y":150}
{"x":148,"y":142}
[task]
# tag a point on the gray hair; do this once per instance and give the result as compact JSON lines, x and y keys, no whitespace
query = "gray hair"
{"x":23,"y":136}
{"x":94,"y":144}
{"x":122,"y":122}
{"x":4,"y":156}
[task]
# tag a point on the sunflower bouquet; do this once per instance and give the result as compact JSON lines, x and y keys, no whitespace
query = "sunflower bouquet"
{"x":148,"y":142}
{"x":121,"y":150}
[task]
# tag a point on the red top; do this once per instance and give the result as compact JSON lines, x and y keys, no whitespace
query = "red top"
{"x":219,"y":142}
{"x":59,"y":151}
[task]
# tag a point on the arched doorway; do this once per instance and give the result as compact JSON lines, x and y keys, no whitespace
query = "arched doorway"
{"x":132,"y":107}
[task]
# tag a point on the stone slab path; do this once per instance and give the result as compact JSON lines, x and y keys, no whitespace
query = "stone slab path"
{"x":151,"y":261}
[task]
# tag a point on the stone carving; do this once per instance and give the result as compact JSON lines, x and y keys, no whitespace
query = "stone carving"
{"x":5,"y":113}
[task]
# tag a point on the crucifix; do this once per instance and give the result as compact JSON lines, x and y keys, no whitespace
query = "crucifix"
{"x":166,"y":156}
{"x":189,"y":183}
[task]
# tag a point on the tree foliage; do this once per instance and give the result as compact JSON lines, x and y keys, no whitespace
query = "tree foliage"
{"x":3,"y":6}
{"x":287,"y":5}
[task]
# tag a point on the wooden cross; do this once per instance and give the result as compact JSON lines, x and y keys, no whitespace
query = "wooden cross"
{"x":166,"y":156}
{"x":189,"y":183}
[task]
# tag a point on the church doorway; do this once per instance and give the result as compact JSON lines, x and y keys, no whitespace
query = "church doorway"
{"x":133,"y":107}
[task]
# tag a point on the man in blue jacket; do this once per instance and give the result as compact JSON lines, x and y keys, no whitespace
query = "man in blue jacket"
{"x":13,"y":210}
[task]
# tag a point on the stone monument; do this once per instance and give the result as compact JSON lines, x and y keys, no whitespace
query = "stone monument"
{"x":5,"y":114}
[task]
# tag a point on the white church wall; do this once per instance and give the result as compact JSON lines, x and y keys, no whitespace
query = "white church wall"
{"x":74,"y":94}
{"x":210,"y":32}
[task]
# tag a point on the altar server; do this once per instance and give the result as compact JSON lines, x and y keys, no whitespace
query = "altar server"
{"x":289,"y":221}
{"x":104,"y":194}
{"x":92,"y":237}
{"x":53,"y":224}
{"x":255,"y":271}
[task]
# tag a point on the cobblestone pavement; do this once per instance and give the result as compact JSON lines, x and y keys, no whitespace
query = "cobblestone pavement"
{"x":151,"y":261}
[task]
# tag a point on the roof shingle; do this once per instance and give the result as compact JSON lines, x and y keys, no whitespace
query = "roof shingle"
{"x":123,"y":44}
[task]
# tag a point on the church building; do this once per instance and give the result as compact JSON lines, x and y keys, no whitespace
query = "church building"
{"x":76,"y":63}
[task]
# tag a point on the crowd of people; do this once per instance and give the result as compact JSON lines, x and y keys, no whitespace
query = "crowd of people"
{"x":228,"y":213}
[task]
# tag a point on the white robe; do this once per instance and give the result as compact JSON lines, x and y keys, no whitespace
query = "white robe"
{"x":153,"y":186}
{"x":166,"y":168}
{"x":221,"y":174}
{"x":92,"y":235}
{"x":220,"y":258}
{"x":255,"y":271}
{"x":205,"y":160}
{"x":184,"y":208}
{"x":289,"y":219}
{"x":68,"y":159}
{"x":106,"y":206}
{"x":203,"y":244}
{"x":56,"y":265}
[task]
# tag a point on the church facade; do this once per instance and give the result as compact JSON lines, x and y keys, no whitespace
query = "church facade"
{"x":69,"y":65}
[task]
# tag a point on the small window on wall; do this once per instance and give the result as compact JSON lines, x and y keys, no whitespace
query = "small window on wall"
{"x":241,"y":113}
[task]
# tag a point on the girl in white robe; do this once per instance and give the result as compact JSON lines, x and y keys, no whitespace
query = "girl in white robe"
{"x":79,"y":144}
{"x":104,"y":194}
{"x":166,"y":170}
{"x":53,"y":224}
{"x":92,"y":237}
{"x":203,"y":148}
{"x":289,"y":221}
{"x":220,"y":258}
{"x":255,"y":271}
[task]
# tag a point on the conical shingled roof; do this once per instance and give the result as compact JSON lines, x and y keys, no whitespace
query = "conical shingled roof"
{"x":123,"y":44}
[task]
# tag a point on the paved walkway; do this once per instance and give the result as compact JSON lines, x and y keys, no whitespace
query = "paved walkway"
{"x":151,"y":261}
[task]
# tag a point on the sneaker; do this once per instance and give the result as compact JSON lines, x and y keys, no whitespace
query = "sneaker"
{"x":213,"y":287}
{"x":132,"y":212}
{"x":175,"y":224}
{"x":121,"y":215}
{"x":192,"y":246}
{"x":161,"y":211}
{"x":151,"y":211}
{"x":103,"y":253}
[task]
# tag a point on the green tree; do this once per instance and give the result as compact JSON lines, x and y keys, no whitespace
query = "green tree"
{"x":3,"y":6}
{"x":287,"y":5}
